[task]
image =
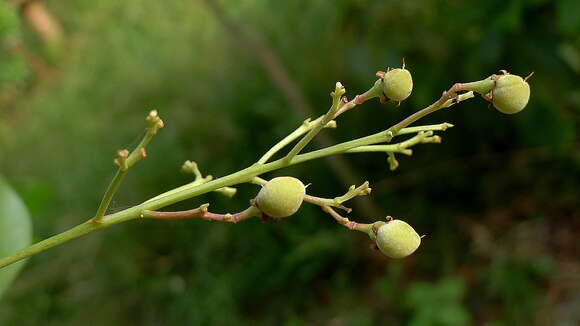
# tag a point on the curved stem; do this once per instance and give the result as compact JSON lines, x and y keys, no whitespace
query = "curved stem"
{"x":202,"y":213}
{"x":126,"y":160}
{"x":441,"y":103}
{"x":306,"y":126}
{"x":362,"y":227}
{"x":336,"y":101}
{"x":110,"y":192}
{"x":402,"y":147}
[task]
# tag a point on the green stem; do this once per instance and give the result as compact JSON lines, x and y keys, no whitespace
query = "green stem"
{"x":73,"y":233}
{"x":126,"y":162}
{"x":336,"y":100}
{"x":110,"y":192}
{"x":402,"y":147}
{"x":412,"y":130}
{"x":439,"y":104}
{"x":305,"y":127}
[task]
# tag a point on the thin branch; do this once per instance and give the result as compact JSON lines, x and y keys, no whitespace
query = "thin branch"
{"x":362,"y":227}
{"x":447,"y":99}
{"x":258,"y":181}
{"x":306,"y":126}
{"x":125,"y":160}
{"x":402,"y":147}
{"x":188,"y":214}
{"x":202,"y":213}
{"x":192,"y":168}
{"x":412,"y":130}
{"x":353,"y":191}
{"x":336,"y":102}
{"x":339,"y":106}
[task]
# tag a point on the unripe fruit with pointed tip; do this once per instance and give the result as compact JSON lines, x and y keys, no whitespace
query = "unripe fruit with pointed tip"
{"x":397,"y":84}
{"x":510,"y":94}
{"x":397,"y":239}
{"x":281,"y":196}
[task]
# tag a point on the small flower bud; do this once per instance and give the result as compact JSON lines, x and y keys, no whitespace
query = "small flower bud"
{"x":281,"y":196}
{"x":397,"y":239}
{"x":397,"y":84}
{"x":510,"y":94}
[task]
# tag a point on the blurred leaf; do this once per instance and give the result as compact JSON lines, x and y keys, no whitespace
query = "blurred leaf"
{"x":15,"y":231}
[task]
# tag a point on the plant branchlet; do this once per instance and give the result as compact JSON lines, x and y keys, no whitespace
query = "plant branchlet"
{"x":395,"y":238}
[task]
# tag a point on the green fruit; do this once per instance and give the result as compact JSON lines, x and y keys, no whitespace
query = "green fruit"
{"x":510,"y":94}
{"x":281,"y":196}
{"x":397,"y":84}
{"x":397,"y":239}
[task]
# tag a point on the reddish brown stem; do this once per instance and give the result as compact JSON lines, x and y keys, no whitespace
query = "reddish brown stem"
{"x":345,"y":221}
{"x":203,"y":213}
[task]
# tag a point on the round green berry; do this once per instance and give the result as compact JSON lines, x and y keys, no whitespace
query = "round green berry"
{"x":281,"y":196}
{"x":397,"y":84}
{"x":397,"y":239}
{"x":510,"y":94}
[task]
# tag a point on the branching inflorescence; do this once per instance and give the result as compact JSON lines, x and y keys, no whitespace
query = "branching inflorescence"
{"x":282,"y":197}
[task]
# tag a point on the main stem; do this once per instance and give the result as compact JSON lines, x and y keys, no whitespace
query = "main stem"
{"x":246,"y":175}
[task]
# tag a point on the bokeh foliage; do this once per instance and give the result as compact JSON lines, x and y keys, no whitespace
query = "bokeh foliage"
{"x":497,"y":200}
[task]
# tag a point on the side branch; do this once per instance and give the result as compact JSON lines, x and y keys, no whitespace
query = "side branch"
{"x":402,"y":147}
{"x":125,"y":160}
{"x":353,"y":192}
{"x":202,"y":213}
{"x":447,"y":99}
{"x":336,"y":102}
{"x":306,"y":126}
{"x":362,"y":227}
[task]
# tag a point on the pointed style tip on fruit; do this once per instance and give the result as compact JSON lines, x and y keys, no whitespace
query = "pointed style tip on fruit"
{"x":397,"y":84}
{"x":510,"y":94}
{"x":396,"y":239}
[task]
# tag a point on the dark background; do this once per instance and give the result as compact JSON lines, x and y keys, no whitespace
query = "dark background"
{"x":497,"y":200}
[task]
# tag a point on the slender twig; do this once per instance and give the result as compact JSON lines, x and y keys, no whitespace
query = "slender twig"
{"x":362,"y":227}
{"x":202,"y":213}
{"x":192,"y":168}
{"x":402,"y":147}
{"x":191,"y":213}
{"x":125,"y":160}
{"x":447,"y":99}
{"x":338,"y":107}
{"x":336,"y":102}
{"x":258,"y":181}
{"x":306,"y":126}
{"x":353,"y":191}
{"x":412,"y":130}
{"x":319,"y":201}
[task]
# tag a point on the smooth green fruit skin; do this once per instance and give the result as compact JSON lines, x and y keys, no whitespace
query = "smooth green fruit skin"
{"x":281,"y":196}
{"x":511,"y":94}
{"x":397,"y":84}
{"x":397,"y":239}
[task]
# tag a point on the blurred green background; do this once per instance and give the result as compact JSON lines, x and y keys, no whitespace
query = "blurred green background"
{"x":498,"y":200}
